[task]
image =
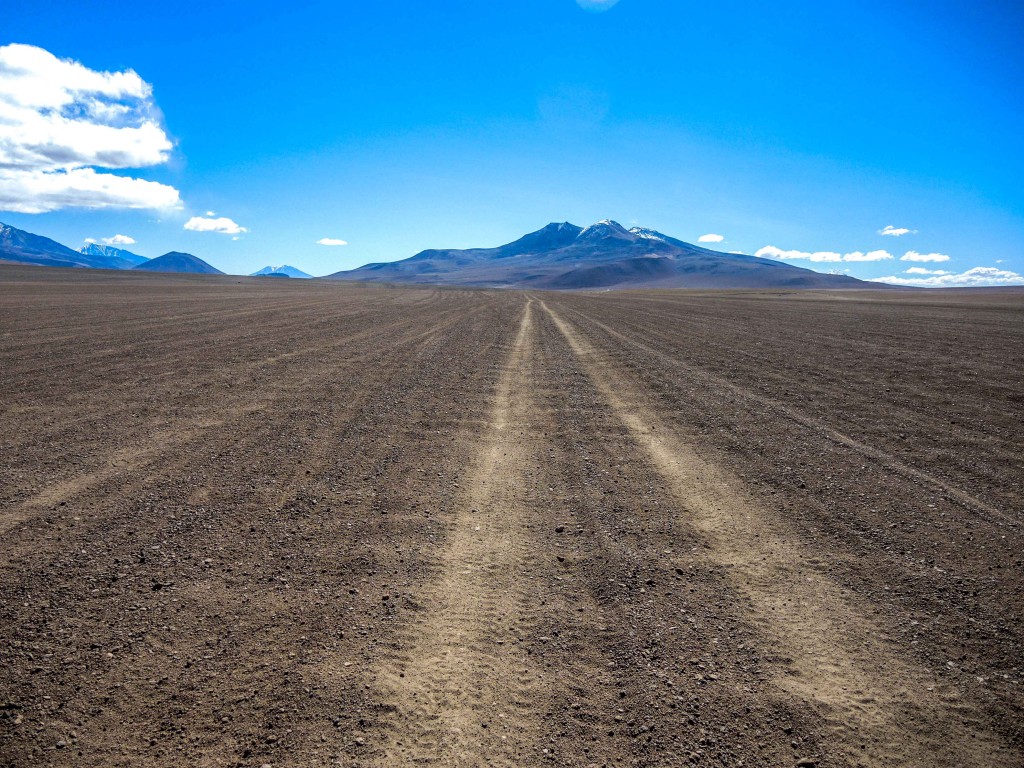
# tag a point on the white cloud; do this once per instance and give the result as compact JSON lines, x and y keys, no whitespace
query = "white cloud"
{"x":771,"y":252}
{"x":119,"y":240}
{"x":923,"y":271}
{"x":59,"y":120}
{"x":892,"y":231}
{"x":869,"y":256}
{"x":596,"y":5}
{"x":915,"y":256}
{"x":330,"y":241}
{"x":224,"y":225}
{"x":90,"y":240}
{"x":977,"y":277}
{"x":211,"y":214}
{"x":710,"y":238}
{"x":41,"y":191}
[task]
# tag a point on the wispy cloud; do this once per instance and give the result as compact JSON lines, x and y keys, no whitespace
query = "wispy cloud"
{"x":119,"y":240}
{"x":223,"y":225}
{"x":771,"y":252}
{"x":710,"y":238}
{"x":330,"y":241}
{"x":915,"y":256}
{"x":923,"y":271}
{"x":977,"y":277}
{"x":892,"y":231}
{"x":60,"y":120}
{"x":596,"y":5}
{"x":869,"y":256}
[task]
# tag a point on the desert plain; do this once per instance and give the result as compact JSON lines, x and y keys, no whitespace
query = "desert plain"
{"x":251,"y":522}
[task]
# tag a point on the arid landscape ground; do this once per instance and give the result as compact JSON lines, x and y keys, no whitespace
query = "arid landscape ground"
{"x":249,"y":522}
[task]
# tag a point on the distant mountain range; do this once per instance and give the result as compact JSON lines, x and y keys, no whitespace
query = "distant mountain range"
{"x":26,"y":248}
{"x":603,"y":255}
{"x":283,"y":271}
{"x":562,"y":256}
{"x":113,"y":255}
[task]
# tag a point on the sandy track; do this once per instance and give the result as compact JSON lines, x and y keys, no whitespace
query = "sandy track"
{"x":463,"y":687}
{"x":874,"y":703}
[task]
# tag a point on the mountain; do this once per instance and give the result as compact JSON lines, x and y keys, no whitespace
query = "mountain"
{"x":284,"y":269}
{"x":26,"y":248}
{"x":603,"y":255}
{"x":113,"y":255}
{"x":178,"y":262}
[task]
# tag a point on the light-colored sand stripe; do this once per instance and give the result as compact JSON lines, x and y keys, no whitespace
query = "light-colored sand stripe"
{"x":460,"y":687}
{"x":874,"y":700}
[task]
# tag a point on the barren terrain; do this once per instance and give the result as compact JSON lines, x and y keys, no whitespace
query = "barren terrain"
{"x":249,"y":522}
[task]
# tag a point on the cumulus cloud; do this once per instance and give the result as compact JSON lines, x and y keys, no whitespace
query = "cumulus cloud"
{"x":771,"y":252}
{"x":40,"y":191}
{"x":710,"y":238}
{"x":915,"y":256}
{"x":330,"y":241}
{"x":223,"y":225}
{"x":977,"y":277}
{"x":59,"y":120}
{"x":923,"y":271}
{"x":119,"y":240}
{"x":892,"y":231}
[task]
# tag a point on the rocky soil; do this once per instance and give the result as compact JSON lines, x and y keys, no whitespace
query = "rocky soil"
{"x":292,"y":523}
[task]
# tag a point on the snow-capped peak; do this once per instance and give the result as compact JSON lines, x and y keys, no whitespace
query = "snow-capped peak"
{"x":603,"y":228}
{"x":647,"y":234}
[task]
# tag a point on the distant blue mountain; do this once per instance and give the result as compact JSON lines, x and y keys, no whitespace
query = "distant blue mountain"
{"x":284,"y":269}
{"x":27,"y":248}
{"x":113,"y":255}
{"x":603,"y":255}
{"x":178,"y":262}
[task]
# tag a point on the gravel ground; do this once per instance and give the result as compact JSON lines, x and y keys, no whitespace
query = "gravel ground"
{"x":251,"y":522}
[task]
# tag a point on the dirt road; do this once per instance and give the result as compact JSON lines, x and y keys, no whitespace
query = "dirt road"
{"x":249,"y":522}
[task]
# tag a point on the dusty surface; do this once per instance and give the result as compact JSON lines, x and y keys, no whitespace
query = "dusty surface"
{"x":247,"y":522}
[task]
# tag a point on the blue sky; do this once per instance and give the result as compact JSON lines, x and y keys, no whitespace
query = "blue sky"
{"x":794,"y":129}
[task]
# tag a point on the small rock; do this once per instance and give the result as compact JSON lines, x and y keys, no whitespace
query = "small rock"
{"x":559,"y":529}
{"x":806,"y":762}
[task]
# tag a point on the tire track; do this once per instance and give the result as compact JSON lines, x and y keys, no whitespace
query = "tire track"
{"x":867,"y":451}
{"x":461,"y":688}
{"x":830,"y":654}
